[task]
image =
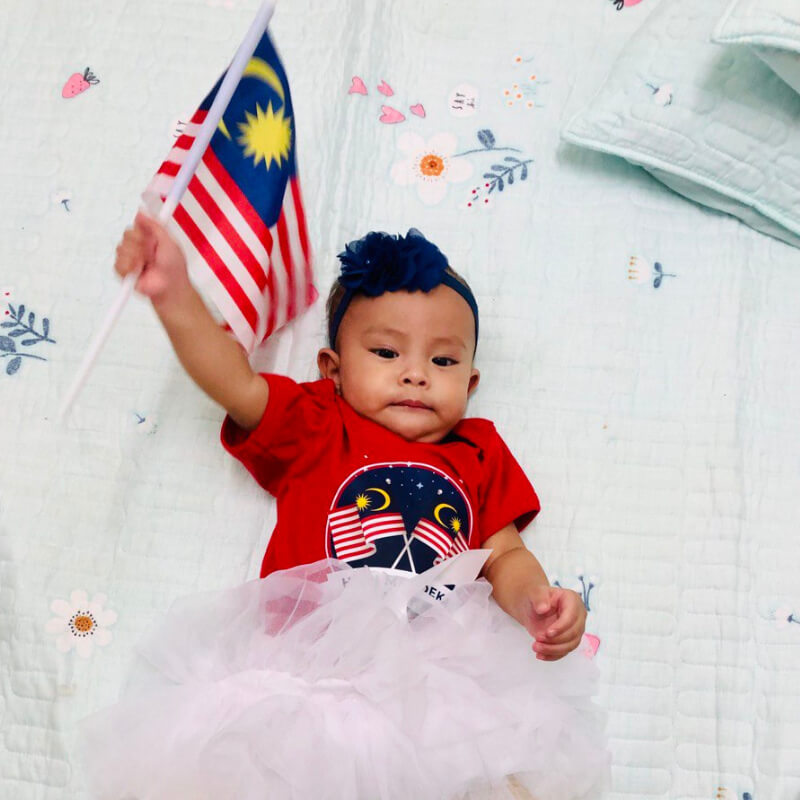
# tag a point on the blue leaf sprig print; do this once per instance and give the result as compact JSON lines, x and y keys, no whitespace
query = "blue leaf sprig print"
{"x":486,"y":138}
{"x":660,"y":275}
{"x":502,"y":174}
{"x":587,"y":584}
{"x":17,"y":326}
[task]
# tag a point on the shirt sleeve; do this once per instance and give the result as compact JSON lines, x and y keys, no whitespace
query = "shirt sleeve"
{"x":506,"y":494}
{"x":294,"y":429}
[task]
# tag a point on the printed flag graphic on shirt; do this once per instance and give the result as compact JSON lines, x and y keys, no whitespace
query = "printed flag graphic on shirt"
{"x":435,"y":537}
{"x":379,"y":526}
{"x":241,"y":222}
{"x":459,"y":545}
{"x":403,"y":515}
{"x":348,"y":535}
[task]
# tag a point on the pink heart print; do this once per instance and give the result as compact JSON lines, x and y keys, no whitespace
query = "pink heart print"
{"x":417,"y":109}
{"x":590,"y":643}
{"x":391,"y":115}
{"x":385,"y":89}
{"x":357,"y":86}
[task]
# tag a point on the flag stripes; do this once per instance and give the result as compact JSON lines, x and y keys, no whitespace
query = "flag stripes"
{"x":435,"y":537}
{"x":379,"y":526}
{"x":259,"y":277}
{"x":348,"y":538}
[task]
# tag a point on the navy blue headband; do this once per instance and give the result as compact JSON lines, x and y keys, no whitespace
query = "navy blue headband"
{"x":380,"y":262}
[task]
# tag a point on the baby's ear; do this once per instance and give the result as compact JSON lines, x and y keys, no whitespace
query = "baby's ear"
{"x":328,"y":363}
{"x":474,"y":380}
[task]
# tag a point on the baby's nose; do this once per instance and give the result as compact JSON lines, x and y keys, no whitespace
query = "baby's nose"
{"x":415,"y":376}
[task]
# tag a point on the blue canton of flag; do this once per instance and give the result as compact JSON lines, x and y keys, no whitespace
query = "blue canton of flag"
{"x":241,"y":221}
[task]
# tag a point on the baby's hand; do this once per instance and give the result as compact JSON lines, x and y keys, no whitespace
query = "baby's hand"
{"x":557,"y":621}
{"x":148,"y":247}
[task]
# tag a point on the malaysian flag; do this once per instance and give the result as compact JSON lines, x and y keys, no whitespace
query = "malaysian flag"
{"x":435,"y":537}
{"x":379,"y":526}
{"x":241,"y":222}
{"x":459,"y":545}
{"x":349,"y":542}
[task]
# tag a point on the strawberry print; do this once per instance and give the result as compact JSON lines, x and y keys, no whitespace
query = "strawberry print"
{"x":78,"y":83}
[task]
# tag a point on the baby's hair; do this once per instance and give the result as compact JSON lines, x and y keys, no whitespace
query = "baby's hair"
{"x":337,"y":293}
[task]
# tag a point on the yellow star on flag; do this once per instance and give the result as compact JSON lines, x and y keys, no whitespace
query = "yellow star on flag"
{"x":267,"y":135}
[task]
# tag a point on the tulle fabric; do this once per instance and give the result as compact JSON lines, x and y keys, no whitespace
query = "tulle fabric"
{"x":309,"y":684}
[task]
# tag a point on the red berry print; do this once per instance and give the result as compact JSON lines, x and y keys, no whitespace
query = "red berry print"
{"x":77,"y":83}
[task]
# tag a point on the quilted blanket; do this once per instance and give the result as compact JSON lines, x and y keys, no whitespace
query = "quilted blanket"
{"x":637,"y":352}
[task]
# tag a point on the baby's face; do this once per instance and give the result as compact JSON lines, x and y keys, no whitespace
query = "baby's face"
{"x":404,"y":360}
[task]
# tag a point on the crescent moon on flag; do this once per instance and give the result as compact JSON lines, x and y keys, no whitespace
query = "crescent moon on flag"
{"x":386,"y":498}
{"x":258,"y":68}
{"x":223,"y":128}
{"x":438,"y":509}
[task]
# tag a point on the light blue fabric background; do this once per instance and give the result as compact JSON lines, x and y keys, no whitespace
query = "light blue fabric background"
{"x":657,"y":422}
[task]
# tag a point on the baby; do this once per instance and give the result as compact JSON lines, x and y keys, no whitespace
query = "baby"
{"x":374,"y":465}
{"x":403,"y":359}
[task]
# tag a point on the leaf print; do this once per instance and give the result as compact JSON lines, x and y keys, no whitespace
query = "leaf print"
{"x":486,"y":138}
{"x":502,"y":173}
{"x":17,"y":329}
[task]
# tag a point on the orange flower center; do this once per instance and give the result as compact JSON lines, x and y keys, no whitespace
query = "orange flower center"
{"x":431,"y":164}
{"x":83,"y":623}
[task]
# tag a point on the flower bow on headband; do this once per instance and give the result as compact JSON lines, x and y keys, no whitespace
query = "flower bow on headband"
{"x":380,"y":262}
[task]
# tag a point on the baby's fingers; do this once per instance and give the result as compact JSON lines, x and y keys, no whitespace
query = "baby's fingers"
{"x":572,"y":633}
{"x":552,"y":652}
{"x":132,"y":253}
{"x":566,"y":620}
{"x":570,"y":610}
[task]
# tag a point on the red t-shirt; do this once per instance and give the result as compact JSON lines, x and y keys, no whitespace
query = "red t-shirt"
{"x":348,"y":488}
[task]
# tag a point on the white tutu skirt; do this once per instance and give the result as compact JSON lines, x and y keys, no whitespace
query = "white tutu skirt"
{"x":310,"y":685}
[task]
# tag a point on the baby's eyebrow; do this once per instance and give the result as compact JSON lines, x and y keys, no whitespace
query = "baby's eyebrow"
{"x":384,"y":330}
{"x":451,"y":340}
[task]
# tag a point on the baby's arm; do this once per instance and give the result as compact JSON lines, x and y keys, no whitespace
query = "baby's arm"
{"x":216,"y":363}
{"x":555,"y":617}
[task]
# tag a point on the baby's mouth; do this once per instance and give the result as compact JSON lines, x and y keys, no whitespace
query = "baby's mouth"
{"x":415,"y":404}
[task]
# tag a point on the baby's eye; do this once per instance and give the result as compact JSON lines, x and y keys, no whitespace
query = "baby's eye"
{"x":384,"y":352}
{"x":444,"y":361}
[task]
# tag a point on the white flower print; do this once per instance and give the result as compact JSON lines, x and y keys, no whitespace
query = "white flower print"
{"x":430,"y":165}
{"x":81,"y":623}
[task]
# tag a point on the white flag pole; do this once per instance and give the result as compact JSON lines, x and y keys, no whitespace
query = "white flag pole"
{"x":218,"y":106}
